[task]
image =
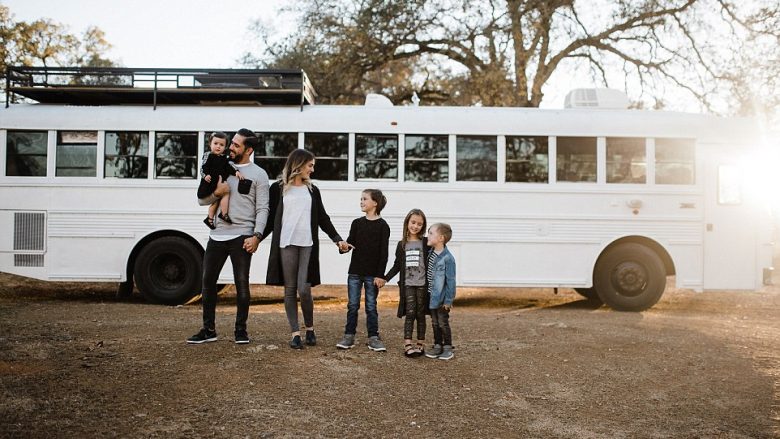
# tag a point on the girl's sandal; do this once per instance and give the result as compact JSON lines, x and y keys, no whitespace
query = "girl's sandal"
{"x":209,"y":222}
{"x":420,"y":349}
{"x":225,"y":218}
{"x":409,"y":350}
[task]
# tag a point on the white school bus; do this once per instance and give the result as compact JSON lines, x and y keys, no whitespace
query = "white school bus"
{"x":98,"y":183}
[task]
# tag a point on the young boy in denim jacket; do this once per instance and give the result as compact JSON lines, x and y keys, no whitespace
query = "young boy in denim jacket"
{"x":441,"y":286}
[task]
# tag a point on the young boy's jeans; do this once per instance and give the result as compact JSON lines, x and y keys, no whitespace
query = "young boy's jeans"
{"x":355,"y":283}
{"x":440,"y":319}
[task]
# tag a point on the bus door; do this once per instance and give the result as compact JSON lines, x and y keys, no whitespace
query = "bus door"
{"x":729,"y":232}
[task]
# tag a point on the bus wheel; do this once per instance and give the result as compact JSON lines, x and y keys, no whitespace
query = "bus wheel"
{"x":629,"y":277}
{"x":168,"y":270}
{"x":590,"y":294}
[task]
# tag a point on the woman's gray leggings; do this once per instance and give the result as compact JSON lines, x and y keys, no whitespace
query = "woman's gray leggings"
{"x":295,"y":267}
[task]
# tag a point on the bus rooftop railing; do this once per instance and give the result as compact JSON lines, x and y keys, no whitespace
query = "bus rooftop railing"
{"x":122,"y":85}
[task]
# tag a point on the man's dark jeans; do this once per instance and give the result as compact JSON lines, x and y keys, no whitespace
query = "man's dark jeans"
{"x":217,"y":253}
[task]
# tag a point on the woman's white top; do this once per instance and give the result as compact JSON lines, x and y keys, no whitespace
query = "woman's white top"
{"x":296,"y":218}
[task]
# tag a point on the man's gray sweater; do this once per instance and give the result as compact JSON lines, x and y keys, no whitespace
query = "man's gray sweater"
{"x":249,"y":212}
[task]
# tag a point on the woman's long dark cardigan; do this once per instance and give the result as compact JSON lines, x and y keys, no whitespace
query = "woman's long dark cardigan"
{"x":319,"y":220}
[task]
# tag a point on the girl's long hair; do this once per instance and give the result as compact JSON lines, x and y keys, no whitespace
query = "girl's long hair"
{"x":292,"y":168}
{"x":406,"y":236}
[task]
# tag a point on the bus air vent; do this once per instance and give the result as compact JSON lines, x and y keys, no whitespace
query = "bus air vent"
{"x":29,"y":238}
{"x":28,"y":260}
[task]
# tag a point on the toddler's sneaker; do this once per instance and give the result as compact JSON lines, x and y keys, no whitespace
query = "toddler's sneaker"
{"x":375,"y":344}
{"x":446,"y":353}
{"x":203,"y":336}
{"x":347,"y":342}
{"x":434,"y":351}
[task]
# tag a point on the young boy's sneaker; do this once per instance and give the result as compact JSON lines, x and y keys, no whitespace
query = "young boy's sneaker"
{"x":242,"y":337}
{"x":375,"y":344}
{"x":434,"y":351}
{"x":446,"y":353}
{"x":203,"y":336}
{"x":347,"y":342}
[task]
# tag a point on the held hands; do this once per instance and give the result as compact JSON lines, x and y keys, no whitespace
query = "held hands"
{"x":344,"y":246}
{"x":222,"y":188}
{"x":379,"y":282}
{"x":251,"y":244}
{"x":207,"y":178}
{"x":446,"y":307}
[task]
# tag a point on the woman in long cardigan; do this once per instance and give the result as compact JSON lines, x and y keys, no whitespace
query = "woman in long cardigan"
{"x":296,"y":214}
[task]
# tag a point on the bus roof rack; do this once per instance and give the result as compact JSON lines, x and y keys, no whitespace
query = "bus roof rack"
{"x":124,"y":85}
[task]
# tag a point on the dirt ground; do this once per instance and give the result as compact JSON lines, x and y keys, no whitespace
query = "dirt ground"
{"x":75,"y":362}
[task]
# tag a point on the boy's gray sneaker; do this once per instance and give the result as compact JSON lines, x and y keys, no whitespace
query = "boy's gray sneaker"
{"x":446,"y":353}
{"x":434,"y":351}
{"x":375,"y":344}
{"x":347,"y":342}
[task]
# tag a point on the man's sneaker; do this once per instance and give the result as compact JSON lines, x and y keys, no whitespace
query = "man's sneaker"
{"x":446,"y":353}
{"x":311,"y":338}
{"x":375,"y":344}
{"x":203,"y":336}
{"x":242,"y":337}
{"x":296,"y":343}
{"x":347,"y":342}
{"x":434,"y":351}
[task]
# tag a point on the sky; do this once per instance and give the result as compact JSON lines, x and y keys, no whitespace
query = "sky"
{"x":160,"y":33}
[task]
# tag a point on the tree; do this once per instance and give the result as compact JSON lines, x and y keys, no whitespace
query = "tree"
{"x":47,"y":43}
{"x":505,"y":52}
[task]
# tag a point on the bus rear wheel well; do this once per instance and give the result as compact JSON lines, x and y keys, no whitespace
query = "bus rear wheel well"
{"x":652,"y":245}
{"x":130,"y":267}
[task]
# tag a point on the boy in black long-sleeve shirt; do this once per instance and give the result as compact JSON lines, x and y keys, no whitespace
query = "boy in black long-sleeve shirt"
{"x":368,"y":237}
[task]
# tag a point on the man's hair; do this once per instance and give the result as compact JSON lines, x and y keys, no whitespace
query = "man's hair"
{"x":250,"y":139}
{"x":444,"y":230}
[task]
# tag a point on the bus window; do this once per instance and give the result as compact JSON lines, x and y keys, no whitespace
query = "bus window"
{"x":127,"y":154}
{"x":76,"y":154}
{"x":176,"y":155}
{"x":675,"y":161}
{"x":376,"y":157}
{"x":626,"y":160}
{"x":426,"y":158}
{"x":26,"y":153}
{"x":527,"y":159}
{"x":273,"y":152}
{"x":729,"y":184}
{"x":477,"y":158}
{"x":576,"y":158}
{"x":332,"y":151}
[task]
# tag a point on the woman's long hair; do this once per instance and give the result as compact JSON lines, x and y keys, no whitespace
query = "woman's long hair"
{"x":292,"y":168}
{"x":405,"y":235}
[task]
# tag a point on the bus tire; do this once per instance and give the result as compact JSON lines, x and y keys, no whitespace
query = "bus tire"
{"x":629,"y":277}
{"x":168,"y":270}
{"x":590,"y":294}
